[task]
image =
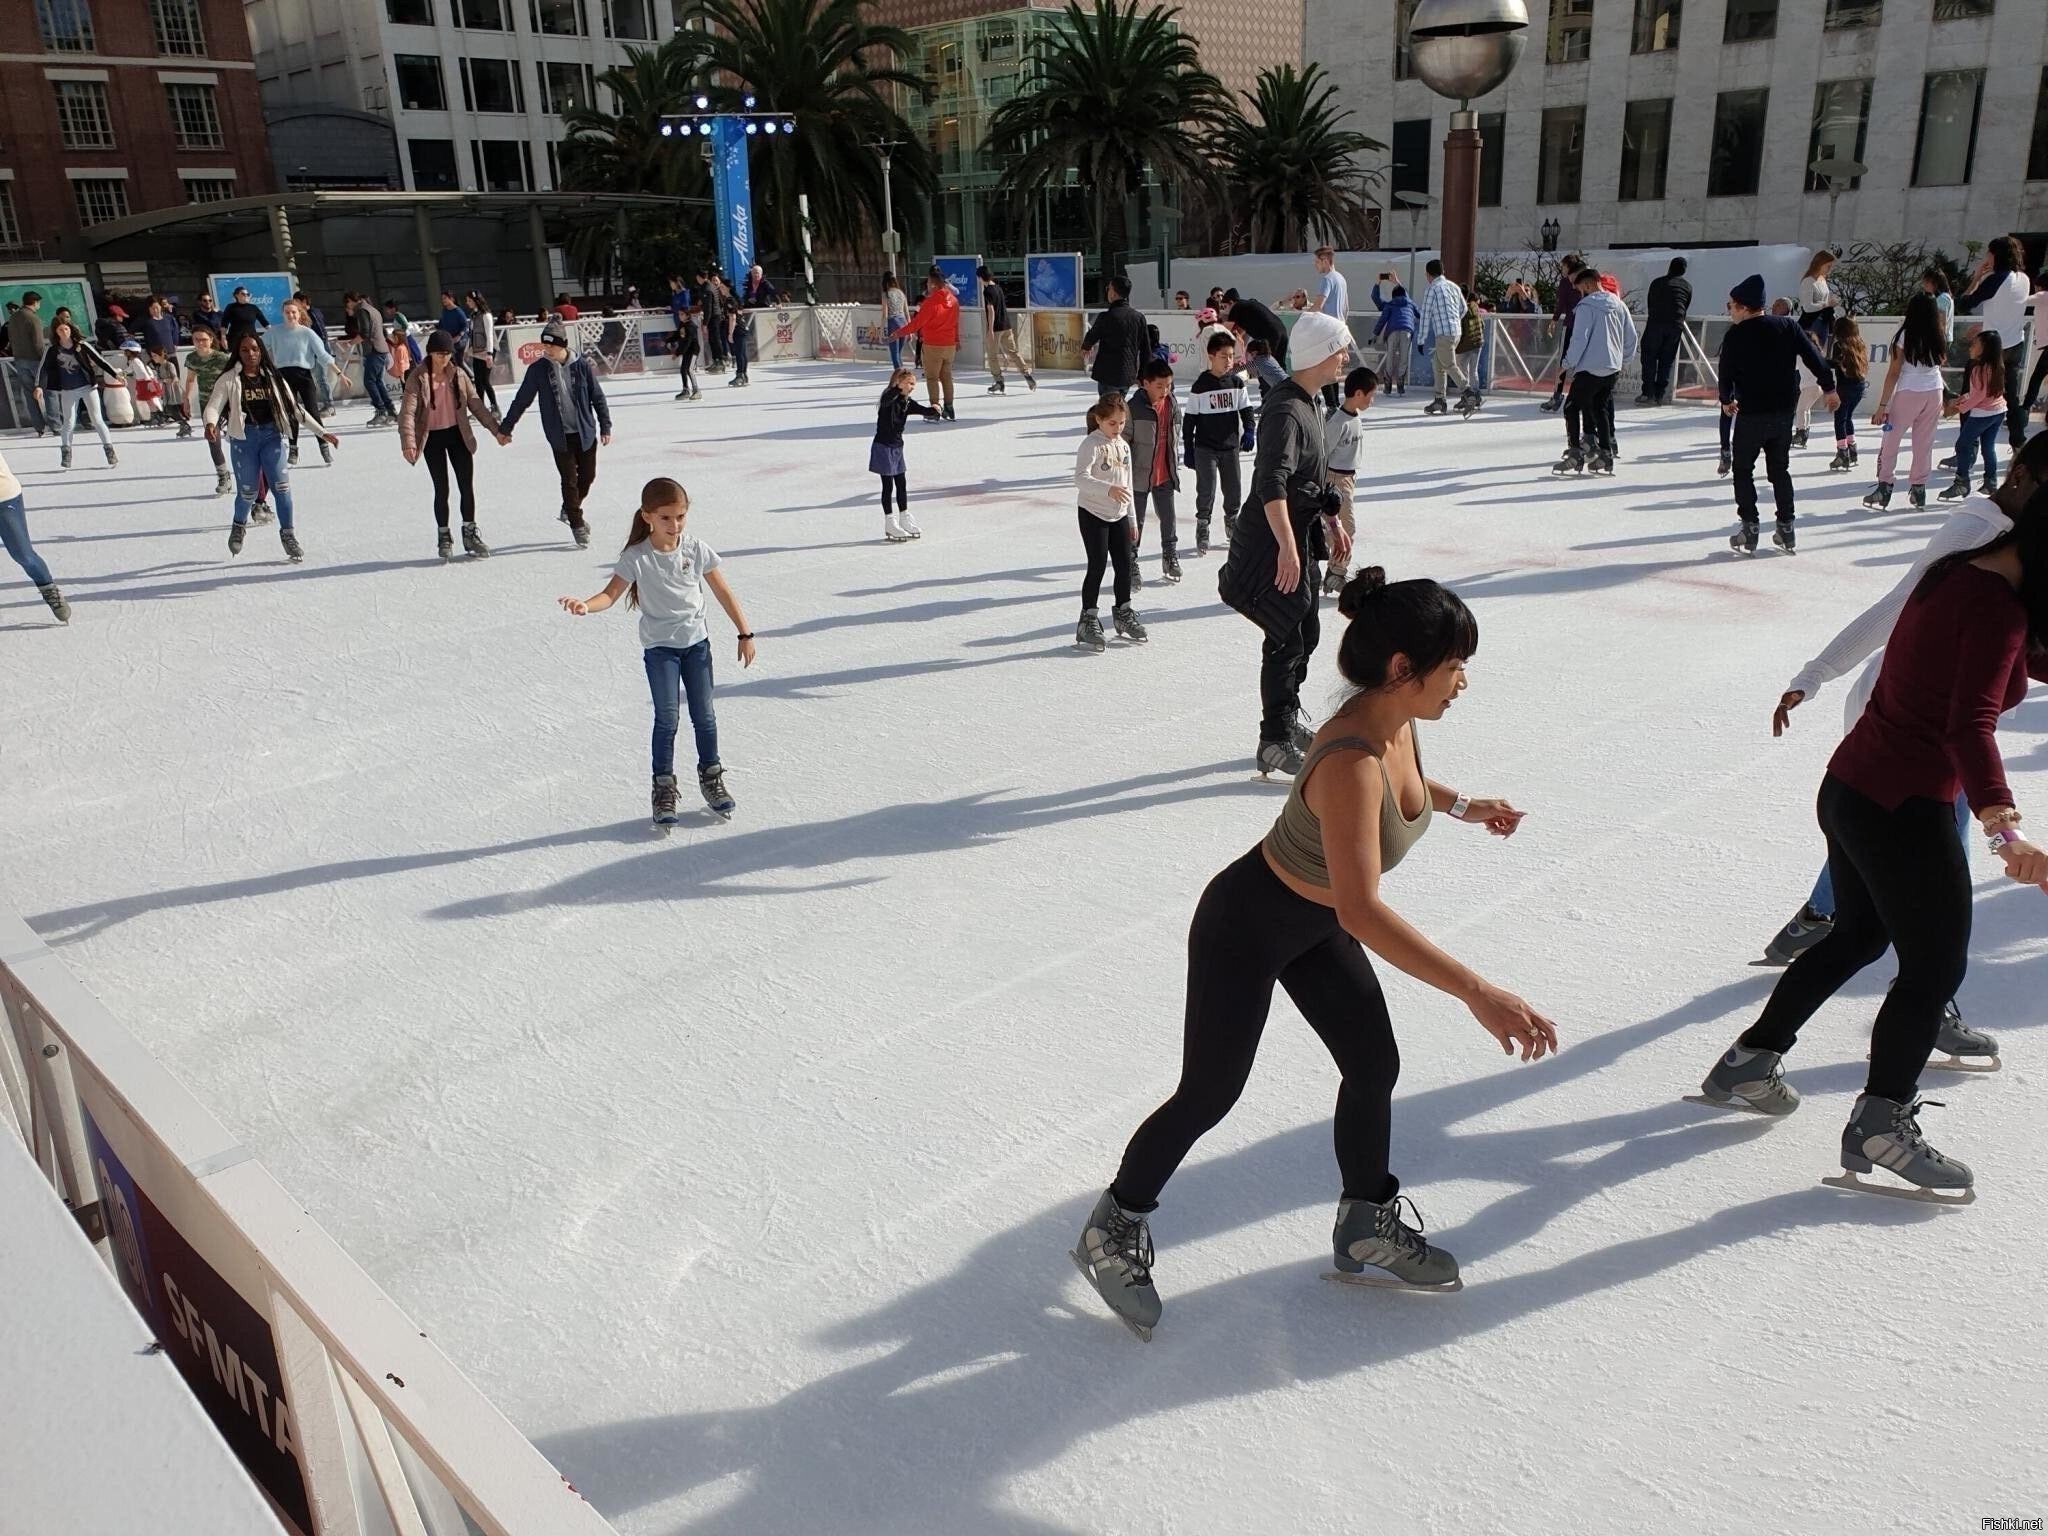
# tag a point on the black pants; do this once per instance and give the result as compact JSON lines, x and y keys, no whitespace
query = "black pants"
{"x":902,"y":493}
{"x":444,"y":446}
{"x":301,"y":381}
{"x":2040,"y":367}
{"x":739,"y":348}
{"x":1591,"y":401}
{"x":1772,"y":436}
{"x":1902,"y":881}
{"x":714,"y":335}
{"x":2015,"y":403}
{"x":1105,"y":543}
{"x":480,"y":375}
{"x":1160,"y":497}
{"x":1283,"y":664}
{"x":1249,"y":932}
{"x":1660,"y":356}
{"x":1213,"y":465}
{"x":577,"y":466}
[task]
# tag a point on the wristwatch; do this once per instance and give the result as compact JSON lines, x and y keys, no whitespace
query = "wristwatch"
{"x":1460,"y":806}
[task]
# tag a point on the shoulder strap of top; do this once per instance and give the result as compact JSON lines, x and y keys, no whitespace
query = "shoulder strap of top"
{"x":1338,"y":745}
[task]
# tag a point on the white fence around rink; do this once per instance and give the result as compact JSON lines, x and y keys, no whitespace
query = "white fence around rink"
{"x":347,"y":1418}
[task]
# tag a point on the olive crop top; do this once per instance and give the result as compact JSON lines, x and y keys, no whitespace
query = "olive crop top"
{"x":1296,"y":841}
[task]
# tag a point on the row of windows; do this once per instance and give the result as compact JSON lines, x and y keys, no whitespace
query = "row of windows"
{"x":66,"y":26}
{"x":101,"y":199}
{"x":1657,"y":24}
{"x":1943,"y":153}
{"x":501,"y":165}
{"x":632,"y":20}
{"x":84,"y":120}
{"x":490,"y":85}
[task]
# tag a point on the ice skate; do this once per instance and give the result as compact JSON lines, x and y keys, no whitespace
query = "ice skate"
{"x":1840,"y":462}
{"x":1229,"y":526}
{"x":664,"y":803}
{"x":1956,"y":489}
{"x":291,"y":456}
{"x":581,"y":533}
{"x":1573,"y":463}
{"x":1799,"y":437}
{"x":184,"y":430}
{"x":223,"y":482}
{"x":1201,"y":538}
{"x":1553,"y":405}
{"x":1880,"y":496}
{"x":910,"y":528}
{"x":1333,"y":582}
{"x":1916,"y":496}
{"x":1784,"y":537}
{"x":717,"y":799}
{"x":261,"y":513}
{"x":1646,"y":399}
{"x":1301,"y":733}
{"x":1282,"y":757}
{"x":949,"y":413}
{"x":1989,"y":485}
{"x":1726,"y":465}
{"x":1436,"y":407}
{"x":1031,"y":382}
{"x":1855,"y":454}
{"x":1115,"y":1253}
{"x":1468,"y":403}
{"x":1600,"y":463}
{"x":113,"y":458}
{"x":1947,"y":463}
{"x":444,"y":544}
{"x":289,"y":543}
{"x":1368,"y":1233}
{"x":473,"y":544}
{"x":1806,"y":929}
{"x":1088,"y":633}
{"x":59,"y":609}
{"x":1743,"y":539}
{"x":683,"y":393}
{"x":1749,"y":1080}
{"x":997,"y":388}
{"x":1169,"y":566}
{"x":893,"y":530}
{"x":1884,"y":1133}
{"x":1127,"y":626}
{"x":326,"y":453}
{"x":1137,"y":576}
{"x":236,"y":532}
{"x":1967,"y":1049}
{"x":63,"y":458}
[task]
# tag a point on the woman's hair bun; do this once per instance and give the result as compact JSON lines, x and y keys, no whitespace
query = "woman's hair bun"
{"x":1360,"y":589}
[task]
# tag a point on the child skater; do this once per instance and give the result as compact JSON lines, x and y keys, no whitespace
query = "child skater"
{"x":1850,"y":354}
{"x":1982,"y":407}
{"x":685,"y":345}
{"x":1102,"y":477}
{"x":1909,"y":400}
{"x":664,"y":575}
{"x":885,"y":457}
{"x":1343,"y":441}
{"x":204,"y":365}
{"x":170,"y":379}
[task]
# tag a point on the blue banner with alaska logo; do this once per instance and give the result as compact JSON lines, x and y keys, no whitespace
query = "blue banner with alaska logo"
{"x":732,"y":196}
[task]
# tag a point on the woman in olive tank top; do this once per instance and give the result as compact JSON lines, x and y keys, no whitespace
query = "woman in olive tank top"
{"x":1296,"y":910}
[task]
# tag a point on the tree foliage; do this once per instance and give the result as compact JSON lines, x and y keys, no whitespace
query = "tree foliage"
{"x":1295,"y":170}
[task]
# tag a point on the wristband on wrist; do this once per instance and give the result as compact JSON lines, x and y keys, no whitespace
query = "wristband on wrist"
{"x":747,"y":634}
{"x":2003,"y":835}
{"x":1460,"y":806}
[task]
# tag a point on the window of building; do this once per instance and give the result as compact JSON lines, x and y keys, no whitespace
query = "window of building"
{"x":1736,"y":162}
{"x":420,"y":86}
{"x":1948,"y":128}
{"x":1404,"y":61}
{"x":208,"y":189}
{"x":416,"y":13}
{"x":1841,"y":118}
{"x":492,"y":85}
{"x":1571,"y":32}
{"x":502,"y":165}
{"x":1749,"y":20}
{"x":629,"y":19}
{"x":195,"y":118}
{"x":1960,"y":10}
{"x":557,"y":18}
{"x":433,"y":165}
{"x":2037,"y":157}
{"x":66,"y":25}
{"x":1841,"y":15}
{"x":10,"y":226}
{"x":82,"y":115}
{"x":1562,"y":156}
{"x":566,"y":86}
{"x":554,"y":166}
{"x":1410,"y":169}
{"x":481,"y":15}
{"x":1645,"y":150}
{"x":1493,"y":133}
{"x":100,"y":198}
{"x":1656,"y":26}
{"x":177,"y":26}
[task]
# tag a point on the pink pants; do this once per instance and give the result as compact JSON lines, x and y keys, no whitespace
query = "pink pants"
{"x":1917,"y":411}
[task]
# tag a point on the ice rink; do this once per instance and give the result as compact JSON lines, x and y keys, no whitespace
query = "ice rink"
{"x":740,"y":1169}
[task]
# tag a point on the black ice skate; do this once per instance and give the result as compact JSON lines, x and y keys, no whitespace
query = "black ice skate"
{"x":997,"y":388}
{"x":1727,"y":464}
{"x":1880,"y":496}
{"x":1573,"y":463}
{"x":1799,"y":437}
{"x":1806,"y":929}
{"x":1301,"y":733}
{"x":1917,"y":496}
{"x":1115,"y":1253}
{"x":473,"y":544}
{"x":444,"y":544}
{"x":1333,"y":582}
{"x":1469,"y":402}
{"x":1884,"y":1133}
{"x":61,"y":610}
{"x":1370,"y":1233}
{"x":1436,"y":407}
{"x":1088,"y":633}
{"x":1956,"y":489}
{"x":580,"y":531}
{"x":664,"y":803}
{"x":1751,"y":1080}
{"x":289,"y":542}
{"x":1169,"y":566}
{"x":1840,"y":462}
{"x":223,"y":482}
{"x":236,"y":531}
{"x":1282,"y":757}
{"x":1967,"y":1049}
{"x":717,"y":799}
{"x":1127,"y":626}
{"x":1784,"y":538}
{"x":1201,"y":537}
{"x":1743,"y":539}
{"x":1600,"y":463}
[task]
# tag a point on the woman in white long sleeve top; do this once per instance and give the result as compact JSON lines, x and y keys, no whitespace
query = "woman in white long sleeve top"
{"x":1102,"y":483}
{"x":1817,"y":299}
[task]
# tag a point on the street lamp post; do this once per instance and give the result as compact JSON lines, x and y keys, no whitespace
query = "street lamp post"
{"x":1414,"y":202}
{"x":884,"y":150}
{"x":1463,"y":49}
{"x":1836,"y":173}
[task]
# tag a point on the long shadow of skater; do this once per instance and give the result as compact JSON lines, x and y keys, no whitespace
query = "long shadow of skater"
{"x":988,"y":1375}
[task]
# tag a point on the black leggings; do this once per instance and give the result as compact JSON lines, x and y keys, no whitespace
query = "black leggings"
{"x":301,"y":381}
{"x":445,"y":446}
{"x":902,"y":493}
{"x":1105,"y":543}
{"x":480,"y":375}
{"x":1250,"y":931}
{"x":1902,"y":881}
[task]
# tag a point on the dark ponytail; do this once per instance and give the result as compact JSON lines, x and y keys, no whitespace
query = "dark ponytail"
{"x":1421,"y":619}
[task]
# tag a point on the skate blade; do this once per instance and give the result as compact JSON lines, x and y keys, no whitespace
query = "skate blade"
{"x":1386,"y":1282}
{"x":1851,"y":1182}
{"x":1965,"y":1064}
{"x":1081,"y":1264}
{"x":1741,"y":1106}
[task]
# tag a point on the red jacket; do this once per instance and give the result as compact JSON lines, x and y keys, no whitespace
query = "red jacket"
{"x":937,"y":319}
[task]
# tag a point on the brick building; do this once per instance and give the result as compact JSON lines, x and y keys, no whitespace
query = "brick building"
{"x":110,"y":108}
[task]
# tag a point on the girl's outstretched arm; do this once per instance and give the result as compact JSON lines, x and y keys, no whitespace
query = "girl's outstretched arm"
{"x":722,"y":590}
{"x":613,"y":591}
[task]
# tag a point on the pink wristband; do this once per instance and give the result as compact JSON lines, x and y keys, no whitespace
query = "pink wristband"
{"x":2003,"y":836}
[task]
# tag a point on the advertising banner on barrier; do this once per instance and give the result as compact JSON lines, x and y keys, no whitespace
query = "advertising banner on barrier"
{"x":1056,"y":339}
{"x":959,"y":271}
{"x":732,"y":195}
{"x":267,"y":291}
{"x":1053,"y":280}
{"x":72,"y":293}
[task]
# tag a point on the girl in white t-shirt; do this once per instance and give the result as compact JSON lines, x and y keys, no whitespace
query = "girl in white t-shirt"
{"x":1910,"y":400}
{"x":664,"y":575}
{"x":1102,"y":484}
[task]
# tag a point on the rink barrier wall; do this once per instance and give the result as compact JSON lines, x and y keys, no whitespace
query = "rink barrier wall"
{"x":349,"y":1420}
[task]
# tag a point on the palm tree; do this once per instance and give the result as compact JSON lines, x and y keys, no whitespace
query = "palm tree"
{"x":1294,"y":167}
{"x":626,"y":151}
{"x":835,"y":72}
{"x":1113,"y":95}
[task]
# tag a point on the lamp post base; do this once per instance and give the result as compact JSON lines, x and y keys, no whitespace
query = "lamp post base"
{"x":1460,"y":220}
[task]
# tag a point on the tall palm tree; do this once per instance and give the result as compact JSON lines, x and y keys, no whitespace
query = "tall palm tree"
{"x":1112,"y":95}
{"x":625,"y":150}
{"x":1294,"y":168}
{"x":835,"y":72}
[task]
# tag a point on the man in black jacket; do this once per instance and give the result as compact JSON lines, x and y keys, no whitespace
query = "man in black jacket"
{"x":1669,"y":302}
{"x":1760,"y":388}
{"x":1117,"y":339}
{"x":1252,"y":321}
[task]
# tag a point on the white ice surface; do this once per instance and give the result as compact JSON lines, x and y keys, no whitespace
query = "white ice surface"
{"x":740,"y":1169}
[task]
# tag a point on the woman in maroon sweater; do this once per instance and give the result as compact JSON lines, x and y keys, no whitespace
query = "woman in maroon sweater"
{"x":1971,"y":634}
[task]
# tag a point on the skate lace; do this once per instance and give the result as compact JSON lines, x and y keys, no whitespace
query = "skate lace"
{"x":1130,"y":1240}
{"x":1391,"y":1228}
{"x":1906,"y":1126}
{"x":714,"y":782}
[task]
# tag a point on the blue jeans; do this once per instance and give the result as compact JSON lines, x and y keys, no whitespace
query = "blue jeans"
{"x":1823,"y":898}
{"x":1975,"y":430}
{"x":672,"y":671}
{"x":1850,"y":393}
{"x":739,"y":347}
{"x":374,"y":385}
{"x":260,"y":450}
{"x":895,"y":346}
{"x":14,"y":535}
